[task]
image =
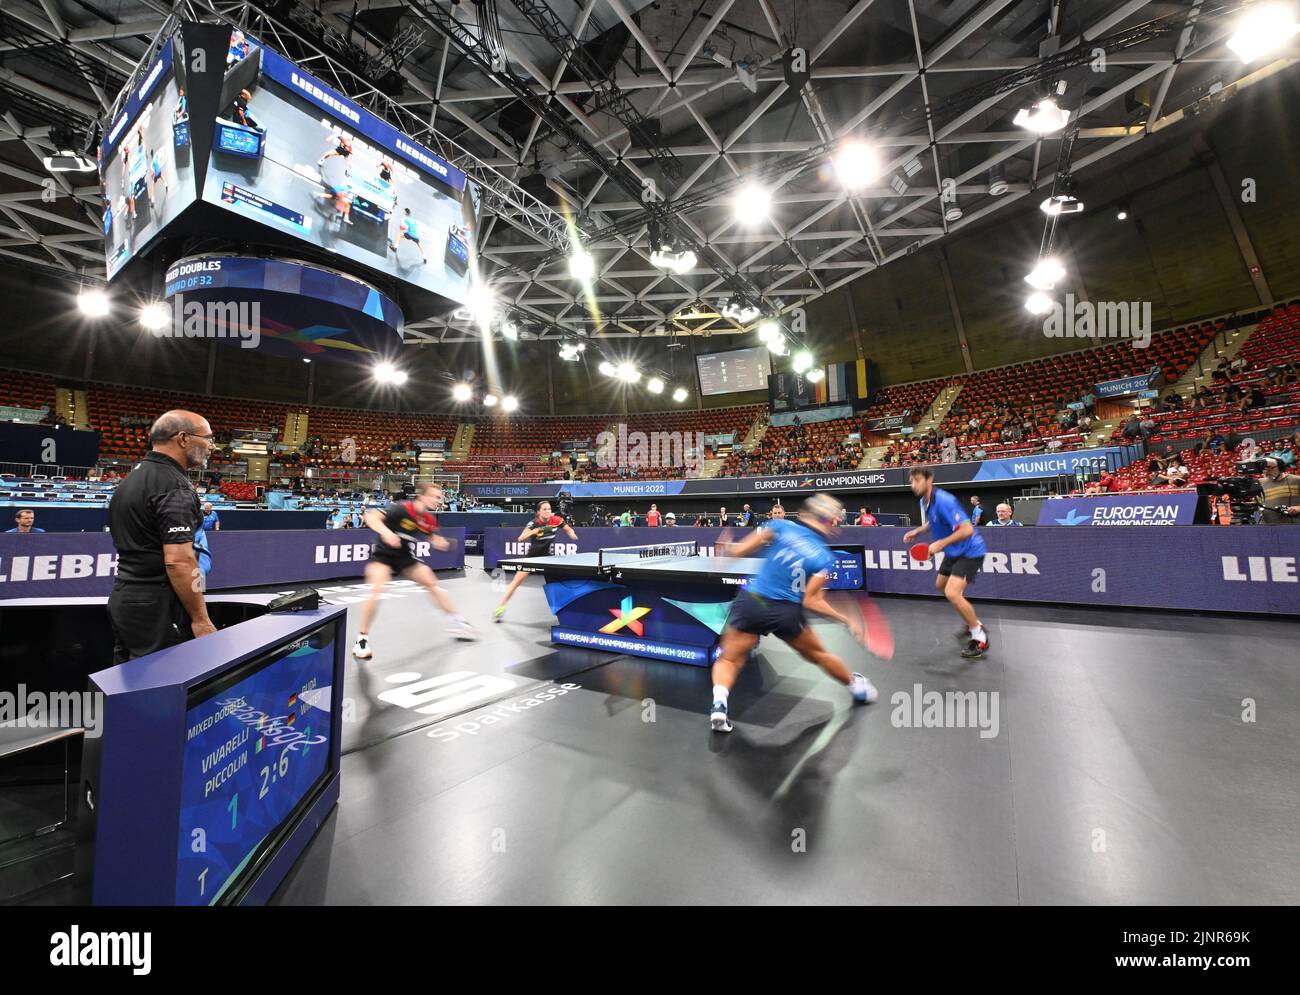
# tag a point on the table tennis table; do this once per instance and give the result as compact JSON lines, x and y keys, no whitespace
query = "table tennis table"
{"x":663,"y":602}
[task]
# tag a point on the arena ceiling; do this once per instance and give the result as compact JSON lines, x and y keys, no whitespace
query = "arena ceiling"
{"x":527,"y":92}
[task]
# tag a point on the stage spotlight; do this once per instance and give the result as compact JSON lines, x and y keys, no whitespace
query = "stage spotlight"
{"x":1262,"y":29}
{"x":654,"y":385}
{"x":768,"y":330}
{"x":1044,"y":118}
{"x":489,"y":400}
{"x":607,"y":368}
{"x":462,"y":392}
{"x":509,"y":403}
{"x":857,"y":165}
{"x":628,"y":373}
{"x":1038,"y":303}
{"x":93,"y":302}
{"x":1045,"y":275}
{"x":803,"y":361}
{"x":817,"y":375}
{"x":582,"y":266}
{"x":752,"y":203}
{"x":679,"y":395}
{"x":155,"y":316}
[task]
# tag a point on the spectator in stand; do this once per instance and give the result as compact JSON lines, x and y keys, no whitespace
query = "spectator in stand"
{"x":25,"y":522}
{"x":1107,"y":484}
{"x":1156,"y":465}
{"x":701,"y":520}
{"x":211,"y":520}
{"x":747,"y":516}
{"x":1175,"y":474}
{"x":976,"y":511}
{"x":652,"y":516}
{"x":1215,"y":440}
{"x":865,"y":518}
{"x":1258,"y":399}
{"x":1004,"y":517}
{"x":974,"y":423}
{"x":670,"y":520}
{"x":722,"y":512}
{"x":625,"y":519}
{"x":1173,"y":402}
{"x":1281,"y":495}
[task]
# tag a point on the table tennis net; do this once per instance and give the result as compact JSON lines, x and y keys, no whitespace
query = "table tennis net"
{"x":652,"y":551}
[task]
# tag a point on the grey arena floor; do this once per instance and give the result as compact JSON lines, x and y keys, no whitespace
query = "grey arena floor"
{"x":1122,"y":766}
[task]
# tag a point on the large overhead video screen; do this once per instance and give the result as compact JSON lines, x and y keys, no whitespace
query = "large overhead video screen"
{"x":146,"y":172}
{"x":728,"y":372}
{"x":294,"y":154}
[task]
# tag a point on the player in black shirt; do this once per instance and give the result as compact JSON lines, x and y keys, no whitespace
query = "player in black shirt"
{"x":400,"y":528}
{"x":541,"y":531}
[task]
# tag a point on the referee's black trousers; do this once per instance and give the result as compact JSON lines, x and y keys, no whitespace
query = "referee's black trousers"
{"x":146,"y":618}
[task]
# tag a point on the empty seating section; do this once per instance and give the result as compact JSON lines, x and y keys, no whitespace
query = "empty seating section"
{"x":26,"y":390}
{"x":914,"y":398}
{"x":350,"y":439}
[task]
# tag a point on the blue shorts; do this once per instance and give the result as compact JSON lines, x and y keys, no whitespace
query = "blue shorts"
{"x":762,"y":616}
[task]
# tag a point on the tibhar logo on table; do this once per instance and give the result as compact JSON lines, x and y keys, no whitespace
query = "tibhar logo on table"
{"x":636,"y":450}
{"x":94,"y":949}
{"x":1100,"y":320}
{"x":210,"y":320}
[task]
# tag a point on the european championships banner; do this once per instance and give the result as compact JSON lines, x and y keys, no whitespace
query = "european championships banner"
{"x":1242,"y":569}
{"x":84,"y":565}
{"x":1032,"y":467}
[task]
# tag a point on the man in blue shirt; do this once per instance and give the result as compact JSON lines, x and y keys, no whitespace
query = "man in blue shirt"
{"x":1004,"y":517}
{"x":976,"y":511}
{"x":211,"y":520}
{"x":25,"y":521}
{"x":963,"y":549}
{"x":795,"y":571}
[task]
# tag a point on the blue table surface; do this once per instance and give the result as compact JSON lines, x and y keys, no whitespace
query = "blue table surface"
{"x":703,"y":565}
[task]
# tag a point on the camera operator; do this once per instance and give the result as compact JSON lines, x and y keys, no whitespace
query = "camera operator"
{"x":1281,"y":491}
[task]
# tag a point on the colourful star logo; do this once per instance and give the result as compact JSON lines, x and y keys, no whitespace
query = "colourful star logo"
{"x":625,"y":614}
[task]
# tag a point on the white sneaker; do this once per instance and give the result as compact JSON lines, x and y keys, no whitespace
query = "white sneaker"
{"x":462,"y":630}
{"x":864,"y":692}
{"x":718,"y":717}
{"x":362,"y":650}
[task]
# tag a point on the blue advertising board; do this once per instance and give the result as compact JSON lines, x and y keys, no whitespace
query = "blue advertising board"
{"x":1175,"y":508}
{"x":1127,"y":385}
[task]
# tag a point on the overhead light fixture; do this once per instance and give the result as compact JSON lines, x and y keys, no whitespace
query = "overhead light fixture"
{"x":386,"y":372}
{"x":66,"y":158}
{"x":482,"y":305}
{"x":399,"y":377}
{"x":768,"y":330}
{"x":628,"y":373}
{"x":654,"y":385}
{"x":607,"y":368}
{"x":462,"y":392}
{"x":998,"y":184}
{"x":752,"y":203}
{"x":1261,"y":29}
{"x":1045,"y":275}
{"x":489,"y":400}
{"x":305,"y":359}
{"x":93,"y":302}
{"x":679,"y":395}
{"x":777,"y":345}
{"x":738,"y":311}
{"x":571,"y":352}
{"x":154,"y":316}
{"x":899,"y":184}
{"x":1043,"y":118}
{"x":509,"y":403}
{"x":857,"y":165}
{"x":816,"y":376}
{"x":952,"y":214}
{"x":1038,"y":303}
{"x":678,"y":261}
{"x":1061,"y":203}
{"x":803,"y":361}
{"x":510,"y":330}
{"x":582,"y":266}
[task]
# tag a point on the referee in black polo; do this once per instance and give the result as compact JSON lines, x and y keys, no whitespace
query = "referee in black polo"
{"x":154,"y":513}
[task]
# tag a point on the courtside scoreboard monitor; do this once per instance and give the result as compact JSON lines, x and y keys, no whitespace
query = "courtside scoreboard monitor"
{"x":737,"y":370}
{"x":237,"y":140}
{"x":257,"y":746}
{"x":218,"y":763}
{"x":849,"y":572}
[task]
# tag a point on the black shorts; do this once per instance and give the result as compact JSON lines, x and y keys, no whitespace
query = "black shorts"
{"x":536,"y":548}
{"x":397,"y":560}
{"x":762,"y":616}
{"x":965,"y":567}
